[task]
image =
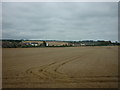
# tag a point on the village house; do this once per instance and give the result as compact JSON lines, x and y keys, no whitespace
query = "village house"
{"x":56,"y":43}
{"x":34,"y":44}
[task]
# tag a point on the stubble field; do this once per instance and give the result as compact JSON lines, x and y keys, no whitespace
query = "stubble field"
{"x":70,"y":67}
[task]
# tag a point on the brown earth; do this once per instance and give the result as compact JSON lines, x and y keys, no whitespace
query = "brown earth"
{"x":72,"y":67}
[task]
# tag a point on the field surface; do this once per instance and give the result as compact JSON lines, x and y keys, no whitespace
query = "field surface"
{"x":70,"y":67}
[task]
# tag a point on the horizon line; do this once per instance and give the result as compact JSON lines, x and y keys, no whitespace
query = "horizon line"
{"x":64,"y":40}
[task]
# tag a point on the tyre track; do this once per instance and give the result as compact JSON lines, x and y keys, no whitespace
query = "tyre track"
{"x":51,"y":71}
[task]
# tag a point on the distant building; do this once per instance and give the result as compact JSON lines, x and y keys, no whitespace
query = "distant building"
{"x":57,"y":43}
{"x":82,"y":44}
{"x":34,"y":44}
{"x":47,"y":44}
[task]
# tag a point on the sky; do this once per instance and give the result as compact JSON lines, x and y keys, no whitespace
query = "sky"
{"x":60,"y":20}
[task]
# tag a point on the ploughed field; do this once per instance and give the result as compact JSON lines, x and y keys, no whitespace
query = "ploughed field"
{"x":70,"y":67}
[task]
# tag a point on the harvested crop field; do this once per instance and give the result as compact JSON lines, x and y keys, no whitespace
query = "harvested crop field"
{"x":70,"y":67}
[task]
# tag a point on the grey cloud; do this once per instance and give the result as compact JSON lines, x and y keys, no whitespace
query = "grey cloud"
{"x":63,"y":21}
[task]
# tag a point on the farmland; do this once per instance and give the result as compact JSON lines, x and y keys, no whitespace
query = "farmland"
{"x":63,"y":67}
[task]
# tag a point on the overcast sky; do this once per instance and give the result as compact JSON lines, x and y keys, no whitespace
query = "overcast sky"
{"x":60,"y":21}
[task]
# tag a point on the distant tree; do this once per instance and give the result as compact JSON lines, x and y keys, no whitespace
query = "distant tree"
{"x":44,"y":43}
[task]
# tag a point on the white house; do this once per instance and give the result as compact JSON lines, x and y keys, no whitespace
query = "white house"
{"x":34,"y":44}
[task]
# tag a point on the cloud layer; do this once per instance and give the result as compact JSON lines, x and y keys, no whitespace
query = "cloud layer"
{"x":60,"y":21}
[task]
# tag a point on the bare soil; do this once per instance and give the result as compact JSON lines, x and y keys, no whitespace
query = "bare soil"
{"x":70,"y":67}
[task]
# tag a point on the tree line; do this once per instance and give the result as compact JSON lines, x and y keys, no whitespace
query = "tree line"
{"x":20,"y":44}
